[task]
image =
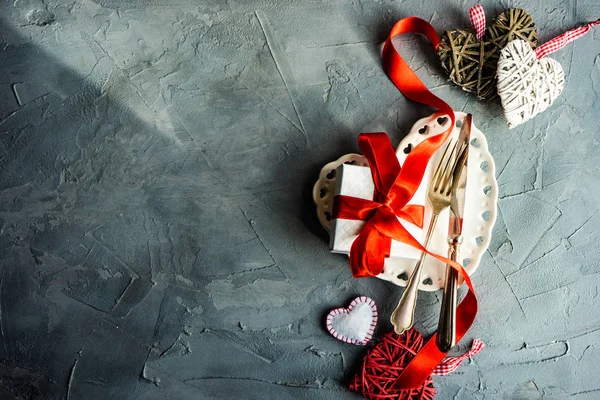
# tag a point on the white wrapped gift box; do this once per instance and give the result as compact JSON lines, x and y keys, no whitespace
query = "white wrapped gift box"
{"x":356,"y":181}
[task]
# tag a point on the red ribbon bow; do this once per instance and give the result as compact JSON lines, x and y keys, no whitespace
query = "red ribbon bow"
{"x":393,"y":189}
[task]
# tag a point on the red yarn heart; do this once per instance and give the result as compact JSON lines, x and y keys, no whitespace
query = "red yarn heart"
{"x":383,"y":364}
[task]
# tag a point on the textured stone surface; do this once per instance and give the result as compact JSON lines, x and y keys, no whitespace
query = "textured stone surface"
{"x":156,"y":228}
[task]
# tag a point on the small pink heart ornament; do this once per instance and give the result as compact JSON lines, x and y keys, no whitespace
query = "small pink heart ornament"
{"x":354,"y":324}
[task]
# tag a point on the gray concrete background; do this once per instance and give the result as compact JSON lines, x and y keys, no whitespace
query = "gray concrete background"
{"x":158,"y":237}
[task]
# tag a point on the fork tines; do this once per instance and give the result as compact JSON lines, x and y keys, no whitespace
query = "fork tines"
{"x":442,"y":177}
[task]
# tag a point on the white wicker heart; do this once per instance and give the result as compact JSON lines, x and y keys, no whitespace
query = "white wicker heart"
{"x":526,"y":86}
{"x":480,"y":205}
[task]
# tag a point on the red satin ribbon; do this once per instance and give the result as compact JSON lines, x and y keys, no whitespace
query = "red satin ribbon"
{"x":394,"y":186}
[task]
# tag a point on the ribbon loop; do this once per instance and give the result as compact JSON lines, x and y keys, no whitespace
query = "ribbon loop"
{"x":561,"y":40}
{"x":394,"y":187}
{"x":450,"y":364}
{"x":411,"y":86}
{"x":477,"y":17}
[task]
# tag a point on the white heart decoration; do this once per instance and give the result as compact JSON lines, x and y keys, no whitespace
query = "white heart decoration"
{"x":354,"y":324}
{"x":526,"y":86}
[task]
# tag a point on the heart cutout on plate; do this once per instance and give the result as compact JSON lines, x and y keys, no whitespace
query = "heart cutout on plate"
{"x":526,"y":85}
{"x":354,"y":324}
{"x":471,"y":63}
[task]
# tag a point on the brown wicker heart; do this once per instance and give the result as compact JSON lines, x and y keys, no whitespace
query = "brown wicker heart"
{"x":472,"y":63}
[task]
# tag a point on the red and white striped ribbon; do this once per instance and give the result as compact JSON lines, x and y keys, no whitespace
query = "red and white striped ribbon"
{"x":560,"y":41}
{"x":449,"y":364}
{"x":477,"y":17}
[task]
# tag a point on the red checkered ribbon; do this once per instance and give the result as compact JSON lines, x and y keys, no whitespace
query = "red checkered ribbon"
{"x":449,"y":364}
{"x":560,"y":41}
{"x":477,"y":17}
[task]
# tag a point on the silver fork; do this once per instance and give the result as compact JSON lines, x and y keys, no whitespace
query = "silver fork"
{"x":439,"y":197}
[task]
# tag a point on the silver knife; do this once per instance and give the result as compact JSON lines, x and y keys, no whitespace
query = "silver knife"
{"x":446,"y":337}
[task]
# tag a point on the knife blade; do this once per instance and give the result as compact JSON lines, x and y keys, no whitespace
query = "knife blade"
{"x":446,"y":338}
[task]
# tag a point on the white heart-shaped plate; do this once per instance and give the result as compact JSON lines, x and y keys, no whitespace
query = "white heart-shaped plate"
{"x":354,"y":324}
{"x":480,"y":205}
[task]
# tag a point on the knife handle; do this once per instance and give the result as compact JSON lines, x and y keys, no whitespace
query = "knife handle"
{"x":446,"y":337}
